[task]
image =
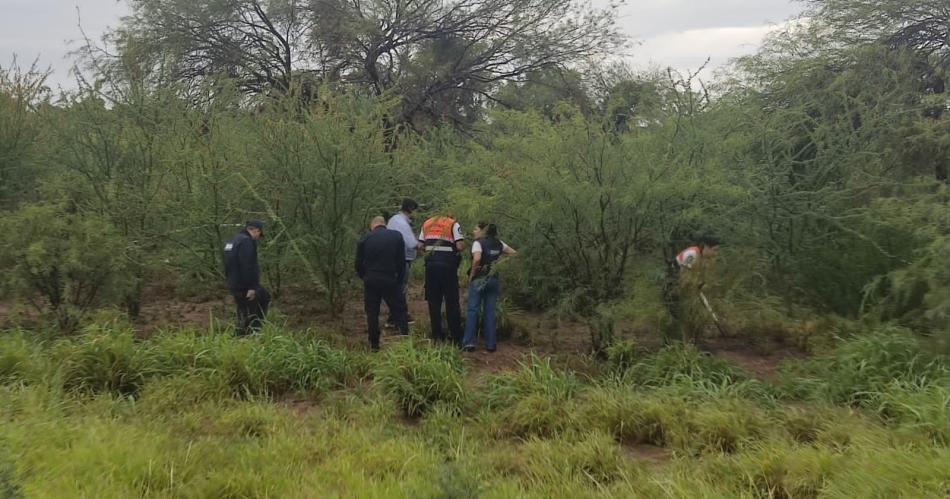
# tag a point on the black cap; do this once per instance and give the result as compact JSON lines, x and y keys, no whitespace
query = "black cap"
{"x":409,"y":204}
{"x":257,"y":224}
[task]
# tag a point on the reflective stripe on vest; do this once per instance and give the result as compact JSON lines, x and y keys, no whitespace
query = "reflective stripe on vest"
{"x":686,"y":257}
{"x":438,"y":229}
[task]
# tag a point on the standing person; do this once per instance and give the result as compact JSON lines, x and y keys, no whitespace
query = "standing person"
{"x":484,"y":287}
{"x":441,"y":238}
{"x":244,"y":278}
{"x":402,"y":223}
{"x":380,"y":263}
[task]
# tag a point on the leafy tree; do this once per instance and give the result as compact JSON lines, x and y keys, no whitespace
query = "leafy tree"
{"x":115,"y":161}
{"x":22,"y":94}
{"x":442,"y":60}
{"x":325,"y":173}
{"x":70,"y":261}
{"x":263,"y":46}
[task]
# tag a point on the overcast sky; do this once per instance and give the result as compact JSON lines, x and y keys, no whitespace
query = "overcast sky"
{"x":676,"y":33}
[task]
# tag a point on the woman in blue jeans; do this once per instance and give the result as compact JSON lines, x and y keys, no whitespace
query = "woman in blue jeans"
{"x":484,"y":286}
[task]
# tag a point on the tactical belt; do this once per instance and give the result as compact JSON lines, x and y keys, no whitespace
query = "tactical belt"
{"x":440,"y":248}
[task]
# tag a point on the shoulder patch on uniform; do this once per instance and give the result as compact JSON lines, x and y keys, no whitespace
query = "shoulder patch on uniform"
{"x":228,"y":247}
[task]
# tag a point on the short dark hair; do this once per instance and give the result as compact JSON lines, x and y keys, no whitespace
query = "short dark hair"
{"x":409,"y":205}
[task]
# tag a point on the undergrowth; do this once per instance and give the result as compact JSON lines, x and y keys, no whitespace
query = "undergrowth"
{"x":190,"y":414}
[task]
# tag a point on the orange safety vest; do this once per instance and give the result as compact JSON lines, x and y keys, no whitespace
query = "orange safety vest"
{"x":438,"y":228}
{"x":688,"y":256}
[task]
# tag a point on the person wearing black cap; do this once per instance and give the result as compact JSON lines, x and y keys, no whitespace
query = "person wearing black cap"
{"x":244,"y":278}
{"x":381,"y":264}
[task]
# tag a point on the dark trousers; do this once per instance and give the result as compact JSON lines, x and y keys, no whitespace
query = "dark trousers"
{"x":442,"y":284}
{"x":250,"y":313}
{"x":403,"y":289}
{"x":375,"y":291}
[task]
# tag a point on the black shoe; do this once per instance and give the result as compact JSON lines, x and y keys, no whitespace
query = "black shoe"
{"x":489,"y":350}
{"x":468,"y":348}
{"x":374,"y":347}
{"x":411,"y":321}
{"x":390,"y":325}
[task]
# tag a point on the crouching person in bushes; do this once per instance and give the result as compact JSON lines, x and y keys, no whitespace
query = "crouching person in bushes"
{"x":484,"y":286}
{"x":244,"y":278}
{"x":683,"y":291}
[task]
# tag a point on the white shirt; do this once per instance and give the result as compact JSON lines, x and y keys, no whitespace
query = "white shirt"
{"x":400,"y":222}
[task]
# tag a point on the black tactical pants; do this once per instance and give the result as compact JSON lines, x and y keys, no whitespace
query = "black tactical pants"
{"x":442,"y":285}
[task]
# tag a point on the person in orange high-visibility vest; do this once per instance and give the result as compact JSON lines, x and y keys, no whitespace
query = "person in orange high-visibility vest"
{"x":441,"y":239}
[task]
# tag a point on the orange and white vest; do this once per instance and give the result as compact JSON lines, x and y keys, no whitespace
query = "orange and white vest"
{"x":688,"y":256}
{"x":437,"y":232}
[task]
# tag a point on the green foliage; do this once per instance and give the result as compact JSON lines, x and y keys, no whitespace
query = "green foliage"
{"x":71,"y":262}
{"x":9,"y":488}
{"x":536,"y":431}
{"x":419,"y":376}
{"x":19,"y":358}
{"x":22,"y":92}
{"x":919,"y":410}
{"x":323,"y":174}
{"x":680,"y":362}
{"x":533,"y":401}
{"x":859,"y":371}
{"x":106,"y":361}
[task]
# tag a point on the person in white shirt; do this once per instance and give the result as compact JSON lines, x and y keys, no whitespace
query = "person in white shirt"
{"x":484,"y":286}
{"x":402,"y":222}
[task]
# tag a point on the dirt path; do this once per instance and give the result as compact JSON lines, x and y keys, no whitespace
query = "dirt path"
{"x":567,"y":341}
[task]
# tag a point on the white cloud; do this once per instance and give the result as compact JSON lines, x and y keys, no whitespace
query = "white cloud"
{"x":675,"y":33}
{"x":688,"y":50}
{"x":49,"y":30}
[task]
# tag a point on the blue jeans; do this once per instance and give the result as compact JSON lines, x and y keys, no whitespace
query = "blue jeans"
{"x":481,"y":291}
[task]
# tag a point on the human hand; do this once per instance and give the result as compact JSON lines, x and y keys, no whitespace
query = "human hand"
{"x":251,"y":294}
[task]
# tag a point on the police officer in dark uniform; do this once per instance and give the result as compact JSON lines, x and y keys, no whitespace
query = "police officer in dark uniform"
{"x":244,"y":278}
{"x":442,"y":240}
{"x":381,"y":264}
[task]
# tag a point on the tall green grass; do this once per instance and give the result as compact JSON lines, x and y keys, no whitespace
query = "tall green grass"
{"x":189,"y":414}
{"x":419,"y":376}
{"x":872,"y":371}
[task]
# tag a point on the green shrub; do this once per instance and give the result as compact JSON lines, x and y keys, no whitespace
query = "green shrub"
{"x":592,"y":458}
{"x":105,"y":362}
{"x":679,"y":363}
{"x":71,"y":262}
{"x":859,"y":370}
{"x":9,"y":487}
{"x":419,"y":376}
{"x":454,"y":481}
{"x":20,"y":359}
{"x":535,"y":376}
{"x":922,"y":411}
{"x":533,"y":401}
{"x":632,"y":417}
{"x":621,"y":356}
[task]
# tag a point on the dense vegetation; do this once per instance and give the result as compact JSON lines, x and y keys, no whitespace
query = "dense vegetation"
{"x":822,"y":162}
{"x":192,"y":414}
